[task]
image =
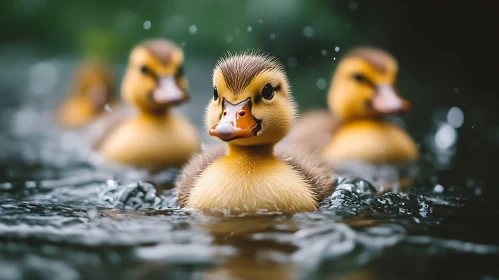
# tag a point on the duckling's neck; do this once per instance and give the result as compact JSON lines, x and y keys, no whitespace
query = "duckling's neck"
{"x":257,"y":152}
{"x":83,"y":102}
{"x":154,"y":113}
{"x":360,"y":118}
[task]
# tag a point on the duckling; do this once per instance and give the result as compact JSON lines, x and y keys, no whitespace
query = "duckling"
{"x":361,"y":94}
{"x":252,"y":110}
{"x":152,"y":137}
{"x":92,"y":88}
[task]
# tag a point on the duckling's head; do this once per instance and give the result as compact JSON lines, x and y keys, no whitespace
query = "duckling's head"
{"x":251,"y":102}
{"x":93,"y":83}
{"x":154,"y":79}
{"x":364,"y":86}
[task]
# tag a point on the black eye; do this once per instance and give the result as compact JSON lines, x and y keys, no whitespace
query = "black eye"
{"x":268,"y":92}
{"x":215,"y":93}
{"x":180,"y":71}
{"x":361,"y":79}
{"x":148,"y":72}
{"x":145,"y":70}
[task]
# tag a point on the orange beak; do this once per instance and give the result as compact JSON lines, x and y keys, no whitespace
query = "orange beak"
{"x":387,"y":101}
{"x":235,"y":122}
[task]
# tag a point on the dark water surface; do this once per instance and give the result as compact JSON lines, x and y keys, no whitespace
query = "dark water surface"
{"x":66,"y":215}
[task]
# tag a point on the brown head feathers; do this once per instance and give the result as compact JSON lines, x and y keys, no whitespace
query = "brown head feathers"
{"x":161,"y":49}
{"x":375,"y":57}
{"x":240,"y":68}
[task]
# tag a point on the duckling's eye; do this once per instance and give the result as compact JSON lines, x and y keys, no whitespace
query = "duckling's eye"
{"x":215,"y":93}
{"x":268,"y":92}
{"x":360,"y":78}
{"x":145,"y":70}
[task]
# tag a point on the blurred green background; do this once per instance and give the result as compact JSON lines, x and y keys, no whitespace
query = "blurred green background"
{"x":447,"y":51}
{"x":439,"y":45}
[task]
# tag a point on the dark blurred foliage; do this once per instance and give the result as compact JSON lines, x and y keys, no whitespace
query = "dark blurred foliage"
{"x":440,"y":45}
{"x":453,"y":41}
{"x":447,"y":50}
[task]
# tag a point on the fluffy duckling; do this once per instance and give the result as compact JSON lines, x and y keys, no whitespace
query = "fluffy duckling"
{"x":92,"y":88}
{"x":361,"y":94}
{"x":252,"y":109}
{"x":152,"y":137}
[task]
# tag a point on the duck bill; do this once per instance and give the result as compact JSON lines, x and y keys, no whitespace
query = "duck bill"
{"x":235,"y":122}
{"x":167,"y":91}
{"x":387,"y":101}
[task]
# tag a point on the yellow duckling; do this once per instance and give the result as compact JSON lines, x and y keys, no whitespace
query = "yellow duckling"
{"x":92,"y":88}
{"x":361,"y":93}
{"x":252,"y":110}
{"x":153,"y":137}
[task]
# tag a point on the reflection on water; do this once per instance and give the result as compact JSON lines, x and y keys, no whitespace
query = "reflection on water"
{"x":66,"y":215}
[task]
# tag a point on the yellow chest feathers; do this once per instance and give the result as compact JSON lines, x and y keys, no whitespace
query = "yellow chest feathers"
{"x":371,"y":141}
{"x":151,"y":142}
{"x":247,"y":186}
{"x":75,"y":113}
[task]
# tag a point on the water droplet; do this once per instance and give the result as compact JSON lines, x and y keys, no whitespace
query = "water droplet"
{"x":308,"y":31}
{"x":193,"y":29}
{"x":334,"y":58}
{"x":478,"y":191}
{"x":324,"y":52}
{"x":237,"y":30}
{"x":260,"y":21}
{"x":337,"y":49}
{"x":445,"y":137}
{"x":229,"y":39}
{"x":438,"y":189}
{"x":321,"y":83}
{"x":292,"y":62}
{"x":92,"y":213}
{"x":108,"y":108}
{"x":353,"y":6}
{"x":455,"y":117}
{"x":111,"y":182}
{"x":249,"y":28}
{"x":272,"y":36}
{"x":147,"y":25}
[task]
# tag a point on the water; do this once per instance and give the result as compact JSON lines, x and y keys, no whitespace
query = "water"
{"x":64,"y":214}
